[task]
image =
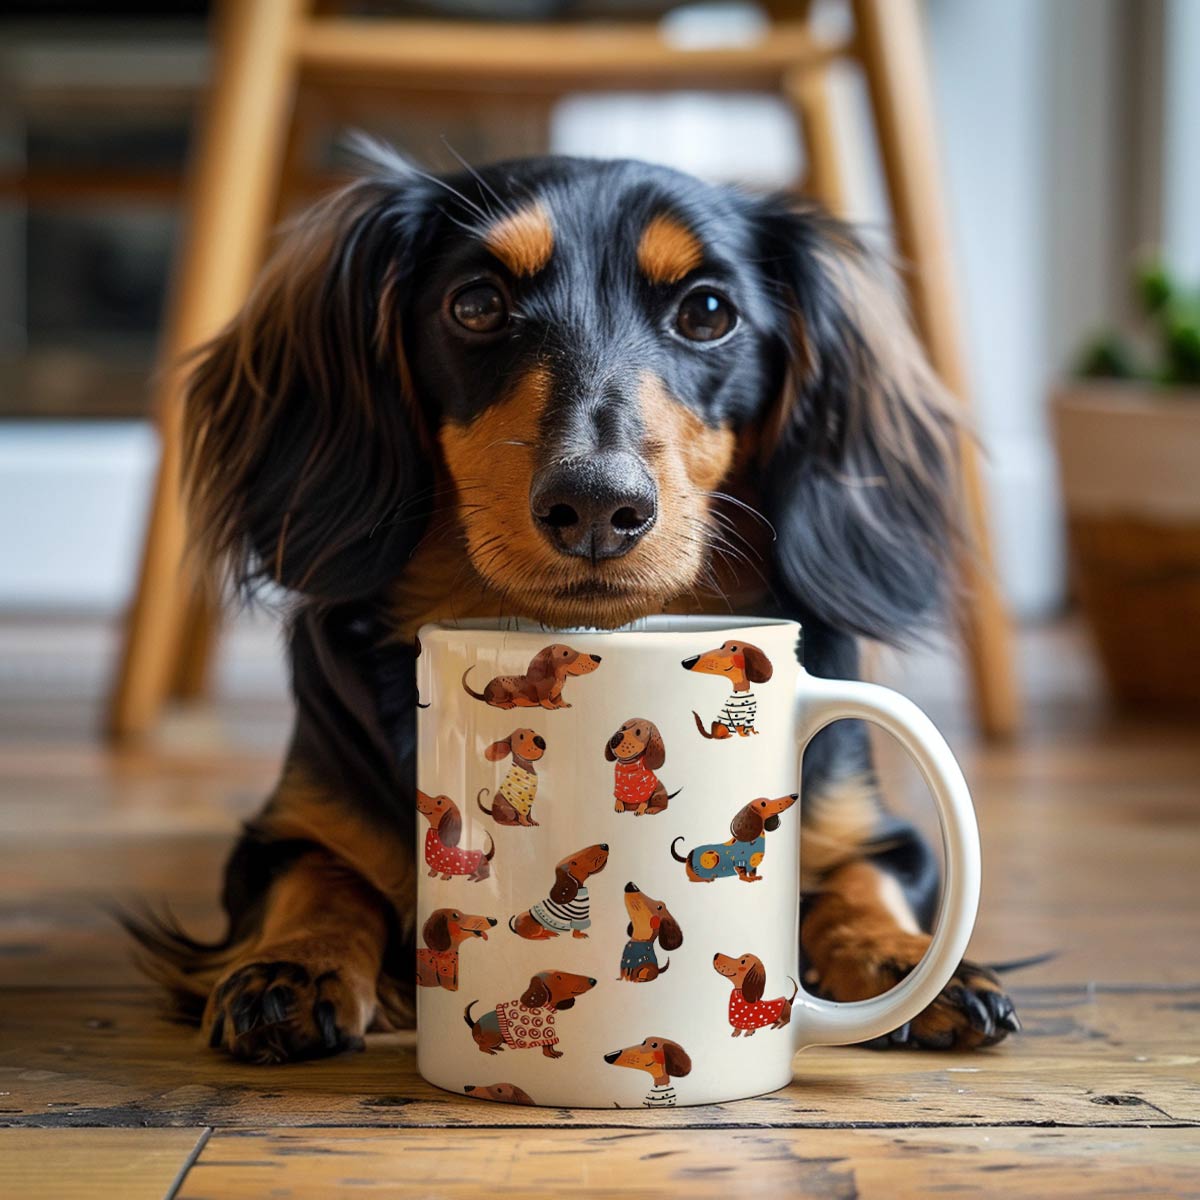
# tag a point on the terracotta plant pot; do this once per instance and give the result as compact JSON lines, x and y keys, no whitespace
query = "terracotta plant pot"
{"x":1129,"y":457}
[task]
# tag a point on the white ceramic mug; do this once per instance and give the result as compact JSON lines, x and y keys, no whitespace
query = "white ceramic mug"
{"x":608,"y":904}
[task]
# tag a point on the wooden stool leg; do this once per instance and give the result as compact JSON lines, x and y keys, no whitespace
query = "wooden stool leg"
{"x":889,"y":37}
{"x":808,"y":92}
{"x":231,"y":199}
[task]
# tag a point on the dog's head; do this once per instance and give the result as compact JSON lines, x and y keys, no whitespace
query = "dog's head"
{"x":446,"y":927}
{"x":524,"y":743}
{"x":501,"y":1093}
{"x":555,"y":990}
{"x":574,"y":871}
{"x":650,"y":918}
{"x":747,"y":973}
{"x":636,"y":738}
{"x":659,"y":1056}
{"x":759,"y":817}
{"x":738,"y":661}
{"x":565,"y":362}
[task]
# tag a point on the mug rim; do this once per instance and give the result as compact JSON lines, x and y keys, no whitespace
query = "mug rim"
{"x":661,"y":624}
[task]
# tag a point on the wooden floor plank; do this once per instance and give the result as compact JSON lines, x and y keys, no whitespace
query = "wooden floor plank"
{"x":124,"y":1164}
{"x":1088,"y":1057}
{"x":324,"y":1163}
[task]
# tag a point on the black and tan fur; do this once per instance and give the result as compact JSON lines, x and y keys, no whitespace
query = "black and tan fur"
{"x":579,"y":392}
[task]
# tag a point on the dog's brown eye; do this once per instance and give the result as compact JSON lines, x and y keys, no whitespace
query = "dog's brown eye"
{"x":481,"y":308}
{"x":705,"y":316}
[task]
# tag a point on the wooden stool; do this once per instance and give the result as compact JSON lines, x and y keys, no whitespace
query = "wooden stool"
{"x":267,"y":50}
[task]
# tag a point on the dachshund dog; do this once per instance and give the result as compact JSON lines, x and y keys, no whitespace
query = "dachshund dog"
{"x":742,"y":664}
{"x":541,"y":685}
{"x":442,"y":854}
{"x":748,"y":1011}
{"x":498,"y":1093}
{"x":648,"y":919}
{"x":638,"y":751}
{"x":567,"y":909}
{"x":662,"y":1059}
{"x":528,"y":1023}
{"x":444,"y":931}
{"x":513,"y":803}
{"x":575,"y":392}
{"x":743,"y":853}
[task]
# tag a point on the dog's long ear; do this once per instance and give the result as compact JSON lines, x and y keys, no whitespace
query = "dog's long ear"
{"x":450,"y":829}
{"x":498,"y":750}
{"x":436,"y":931}
{"x":566,"y":886}
{"x":860,"y":456}
{"x":758,"y":665}
{"x":302,"y":439}
{"x":675,"y":1059}
{"x":754,"y":984}
{"x":542,"y":665}
{"x":670,"y":936}
{"x":656,"y":752}
{"x":746,"y":824}
{"x":609,"y":756}
{"x":537,"y":994}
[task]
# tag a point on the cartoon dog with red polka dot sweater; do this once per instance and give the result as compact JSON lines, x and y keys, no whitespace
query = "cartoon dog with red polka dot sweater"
{"x":442,"y":853}
{"x":638,"y":751}
{"x":748,"y":1011}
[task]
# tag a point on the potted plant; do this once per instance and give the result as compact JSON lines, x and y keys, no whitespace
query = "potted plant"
{"x":1127,"y":427}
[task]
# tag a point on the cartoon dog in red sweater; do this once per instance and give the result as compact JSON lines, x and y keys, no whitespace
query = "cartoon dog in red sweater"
{"x":748,"y":1011}
{"x":637,"y":750}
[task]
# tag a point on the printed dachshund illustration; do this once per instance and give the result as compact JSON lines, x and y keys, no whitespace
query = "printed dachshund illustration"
{"x":567,"y":909}
{"x":662,"y":1059}
{"x":444,"y":931}
{"x":743,"y":853}
{"x":498,"y":1093}
{"x":741,"y":664}
{"x":528,"y":1022}
{"x":648,"y":920}
{"x":442,"y":854}
{"x":748,"y":1011}
{"x":513,"y":802}
{"x":541,"y":685}
{"x":637,"y":749}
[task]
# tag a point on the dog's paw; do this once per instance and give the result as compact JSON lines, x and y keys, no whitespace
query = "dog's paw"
{"x":277,"y":1010}
{"x":972,"y":1010}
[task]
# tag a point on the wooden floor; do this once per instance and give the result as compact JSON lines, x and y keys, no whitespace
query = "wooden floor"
{"x":1091,"y":832}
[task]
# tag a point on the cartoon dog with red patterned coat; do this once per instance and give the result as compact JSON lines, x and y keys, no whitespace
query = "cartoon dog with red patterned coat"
{"x":748,"y":1011}
{"x":637,"y":750}
{"x":443,"y":855}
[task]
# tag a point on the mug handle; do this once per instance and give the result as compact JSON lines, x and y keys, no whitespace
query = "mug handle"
{"x":820,"y":702}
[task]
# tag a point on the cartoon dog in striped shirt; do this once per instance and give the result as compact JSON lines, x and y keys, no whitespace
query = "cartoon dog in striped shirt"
{"x":567,"y":909}
{"x":661,"y":1059}
{"x":637,"y":750}
{"x":742,"y":664}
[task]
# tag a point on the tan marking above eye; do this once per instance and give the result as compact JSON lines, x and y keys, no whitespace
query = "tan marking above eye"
{"x":668,"y":250}
{"x":523,"y":241}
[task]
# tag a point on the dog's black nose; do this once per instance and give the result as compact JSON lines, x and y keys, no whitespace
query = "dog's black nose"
{"x":594,"y":657}
{"x":596,"y":507}
{"x":468,"y":1087}
{"x":491,"y":920}
{"x":591,"y":982}
{"x":632,"y":887}
{"x":612,"y":1056}
{"x":604,"y":847}
{"x":615,"y":740}
{"x":689,"y":663}
{"x":716,"y":956}
{"x":539,"y":742}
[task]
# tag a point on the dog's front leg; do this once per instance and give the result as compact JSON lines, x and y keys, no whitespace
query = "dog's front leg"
{"x":305,"y":987}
